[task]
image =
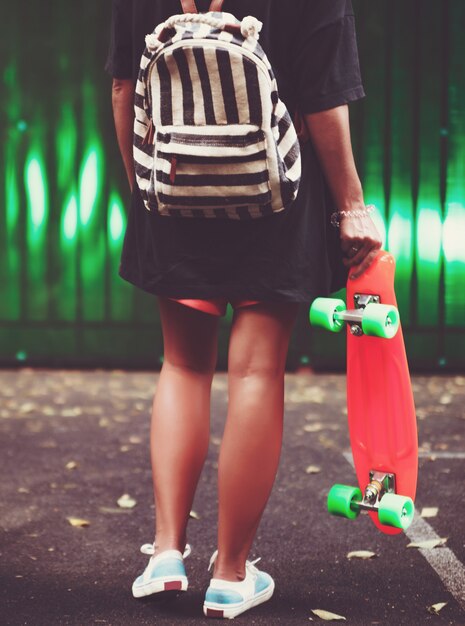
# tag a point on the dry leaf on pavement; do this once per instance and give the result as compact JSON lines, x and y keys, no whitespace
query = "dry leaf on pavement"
{"x":435,"y":608}
{"x":361,"y":554}
{"x":327,"y":616}
{"x":78,"y":522}
{"x":126,"y":502}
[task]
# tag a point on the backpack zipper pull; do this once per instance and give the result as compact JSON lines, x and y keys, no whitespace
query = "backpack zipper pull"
{"x":150,"y":134}
{"x":174,"y":163}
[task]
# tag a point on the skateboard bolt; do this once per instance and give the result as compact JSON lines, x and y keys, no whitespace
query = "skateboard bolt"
{"x":373,"y":490}
{"x":356,"y":330}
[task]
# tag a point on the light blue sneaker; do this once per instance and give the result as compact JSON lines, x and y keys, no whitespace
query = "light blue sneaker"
{"x":228,"y":599}
{"x":164,"y":572}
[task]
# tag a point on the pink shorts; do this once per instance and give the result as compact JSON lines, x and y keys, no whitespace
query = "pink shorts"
{"x":216,"y":306}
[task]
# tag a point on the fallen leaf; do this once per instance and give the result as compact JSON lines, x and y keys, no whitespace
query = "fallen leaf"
{"x":326,"y":442}
{"x":435,"y":608}
{"x":446,"y":398}
{"x":216,"y":441}
{"x":313,"y":428}
{"x":431,"y":511}
{"x":78,"y":522}
{"x":428,"y":544}
{"x":104,"y":422}
{"x":48,"y":443}
{"x":327,"y":616}
{"x":121,"y":419}
{"x":313,"y":469}
{"x":27,"y":407}
{"x":71,"y":412}
{"x":194,"y":515}
{"x":135,"y":439}
{"x":23,"y":490}
{"x":109,"y":509}
{"x":71,"y":465}
{"x":361,"y":554}
{"x":125,"y":448}
{"x":126,"y":502}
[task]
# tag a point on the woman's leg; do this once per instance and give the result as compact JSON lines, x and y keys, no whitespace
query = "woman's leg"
{"x":181,"y":417}
{"x":252,"y":438}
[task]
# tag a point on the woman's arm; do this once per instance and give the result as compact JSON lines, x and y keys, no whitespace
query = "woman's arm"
{"x":123,"y":112}
{"x":330,"y":134}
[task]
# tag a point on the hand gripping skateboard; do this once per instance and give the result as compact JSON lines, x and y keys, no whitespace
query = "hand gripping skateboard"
{"x":380,"y":407}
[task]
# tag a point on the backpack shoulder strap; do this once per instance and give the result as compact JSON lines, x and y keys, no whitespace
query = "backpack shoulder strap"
{"x":216,"y":6}
{"x":188,"y":6}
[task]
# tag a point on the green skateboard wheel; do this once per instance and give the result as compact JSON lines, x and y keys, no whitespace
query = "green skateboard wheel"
{"x":380,"y":320}
{"x":322,"y":313}
{"x":395,"y":510}
{"x":341,"y":501}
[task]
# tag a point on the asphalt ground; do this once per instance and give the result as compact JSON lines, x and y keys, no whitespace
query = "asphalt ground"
{"x":73,"y":442}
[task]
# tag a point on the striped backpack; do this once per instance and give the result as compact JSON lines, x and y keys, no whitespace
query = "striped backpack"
{"x":211,"y":136}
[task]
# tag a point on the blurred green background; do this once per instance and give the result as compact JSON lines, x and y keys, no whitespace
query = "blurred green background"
{"x":64,"y":196}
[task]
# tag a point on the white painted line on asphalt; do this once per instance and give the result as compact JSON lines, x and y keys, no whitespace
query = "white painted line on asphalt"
{"x":444,"y":562}
{"x":441,"y":455}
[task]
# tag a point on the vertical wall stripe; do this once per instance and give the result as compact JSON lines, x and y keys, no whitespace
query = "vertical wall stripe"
{"x":428,"y":206}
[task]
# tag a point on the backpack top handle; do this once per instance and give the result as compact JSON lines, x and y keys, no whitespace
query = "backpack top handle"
{"x":188,"y":6}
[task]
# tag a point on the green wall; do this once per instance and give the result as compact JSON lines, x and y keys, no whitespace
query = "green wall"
{"x":63,"y":191}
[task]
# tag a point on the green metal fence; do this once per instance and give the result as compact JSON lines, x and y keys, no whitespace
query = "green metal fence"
{"x":64,"y":195}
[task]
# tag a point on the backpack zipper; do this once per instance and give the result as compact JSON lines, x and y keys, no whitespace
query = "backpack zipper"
{"x":174,"y":164}
{"x":220,"y":44}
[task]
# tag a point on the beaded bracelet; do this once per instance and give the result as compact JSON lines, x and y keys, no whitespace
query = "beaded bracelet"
{"x":336,"y":216}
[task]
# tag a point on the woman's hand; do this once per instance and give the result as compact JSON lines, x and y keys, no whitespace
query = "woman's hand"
{"x":360,"y":242}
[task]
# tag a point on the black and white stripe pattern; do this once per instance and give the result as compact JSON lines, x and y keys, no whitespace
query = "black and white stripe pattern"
{"x":224,"y":144}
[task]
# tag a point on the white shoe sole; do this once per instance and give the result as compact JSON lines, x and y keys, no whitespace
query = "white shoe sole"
{"x":167,"y":583}
{"x":212,"y":609}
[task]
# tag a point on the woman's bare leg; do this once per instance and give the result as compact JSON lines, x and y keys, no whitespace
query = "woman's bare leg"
{"x":181,"y":417}
{"x":252,"y":438}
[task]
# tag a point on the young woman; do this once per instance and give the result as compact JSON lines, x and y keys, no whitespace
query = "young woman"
{"x":266,"y":268}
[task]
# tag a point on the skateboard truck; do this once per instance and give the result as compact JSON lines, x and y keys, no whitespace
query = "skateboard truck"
{"x":369,"y":317}
{"x":354,"y":317}
{"x":380,"y":484}
{"x":392,"y":509}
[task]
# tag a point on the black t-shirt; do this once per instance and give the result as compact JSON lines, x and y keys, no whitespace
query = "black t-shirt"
{"x":293,"y":255}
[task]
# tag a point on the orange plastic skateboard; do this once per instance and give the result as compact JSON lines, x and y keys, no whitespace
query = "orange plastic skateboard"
{"x":381,"y":411}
